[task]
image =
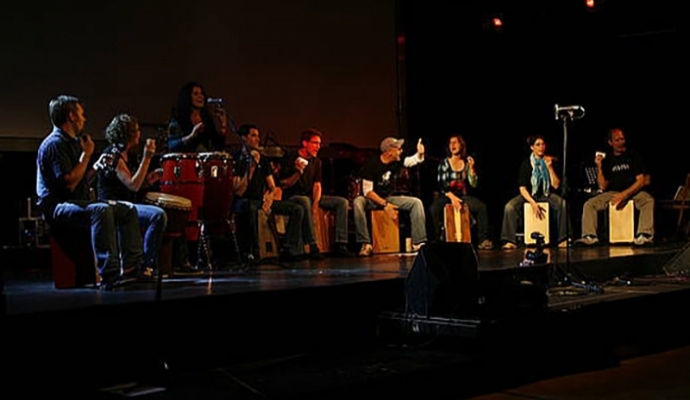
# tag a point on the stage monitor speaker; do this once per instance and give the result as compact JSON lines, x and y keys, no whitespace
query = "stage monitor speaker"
{"x":444,"y":281}
{"x":680,"y":263}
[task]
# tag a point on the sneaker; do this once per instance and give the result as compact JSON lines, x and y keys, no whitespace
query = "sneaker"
{"x":341,"y":250}
{"x":587,"y":240}
{"x":509,"y":246}
{"x":643,"y":240}
{"x":367,"y":250}
{"x":486,"y":244}
{"x":417,"y":247}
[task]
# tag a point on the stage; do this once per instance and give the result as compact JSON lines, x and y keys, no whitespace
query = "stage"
{"x":596,"y":299}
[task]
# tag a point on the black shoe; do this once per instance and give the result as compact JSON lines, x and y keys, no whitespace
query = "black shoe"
{"x":110,"y":282}
{"x":341,"y":250}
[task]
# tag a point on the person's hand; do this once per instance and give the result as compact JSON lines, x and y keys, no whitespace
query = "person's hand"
{"x":618,"y":200}
{"x":300,"y":165}
{"x":392,"y":211}
{"x":150,"y":148}
{"x":255,"y":155}
{"x":470,"y":162}
{"x":598,"y":159}
{"x":154,"y":176}
{"x":267,"y":204}
{"x":87,"y":145}
{"x":197,"y":130}
{"x":104,"y":161}
{"x":548,"y":160}
{"x":539,"y":212}
{"x":420,"y":147}
{"x":456,"y":202}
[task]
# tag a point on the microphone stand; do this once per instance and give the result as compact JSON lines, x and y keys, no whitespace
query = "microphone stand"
{"x":570,"y":279}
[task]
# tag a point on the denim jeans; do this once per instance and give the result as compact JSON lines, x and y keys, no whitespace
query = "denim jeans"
{"x":152,"y":221}
{"x":333,"y":203}
{"x":414,"y":205}
{"x":115,"y":235}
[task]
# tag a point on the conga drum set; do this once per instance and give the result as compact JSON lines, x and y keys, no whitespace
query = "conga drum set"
{"x":206,"y":180}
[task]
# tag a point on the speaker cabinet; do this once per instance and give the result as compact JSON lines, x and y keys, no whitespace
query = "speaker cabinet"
{"x":443,"y":282}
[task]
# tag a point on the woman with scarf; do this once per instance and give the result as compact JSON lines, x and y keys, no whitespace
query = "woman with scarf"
{"x":538,"y":182}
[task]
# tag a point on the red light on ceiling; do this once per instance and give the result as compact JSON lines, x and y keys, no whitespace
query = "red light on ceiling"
{"x":497,"y":22}
{"x":591,"y":4}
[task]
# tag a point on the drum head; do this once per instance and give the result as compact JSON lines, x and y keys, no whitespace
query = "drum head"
{"x":178,"y":156}
{"x":166,"y":200}
{"x":215,"y":155}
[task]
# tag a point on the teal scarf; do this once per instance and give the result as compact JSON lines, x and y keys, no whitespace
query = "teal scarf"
{"x":540,"y":176}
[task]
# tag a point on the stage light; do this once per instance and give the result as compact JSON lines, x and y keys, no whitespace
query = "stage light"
{"x":593,"y":6}
{"x":493,"y":23}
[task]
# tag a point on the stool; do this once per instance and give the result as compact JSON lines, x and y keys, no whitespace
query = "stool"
{"x":457,"y":223}
{"x":73,"y":261}
{"x":385,"y":233}
{"x":533,"y":224}
{"x":324,"y":229}
{"x":622,"y":223}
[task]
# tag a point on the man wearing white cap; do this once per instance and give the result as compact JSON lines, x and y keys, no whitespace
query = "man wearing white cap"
{"x":377,"y":190}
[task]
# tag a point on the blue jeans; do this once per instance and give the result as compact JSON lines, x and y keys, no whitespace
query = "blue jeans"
{"x":414,"y":205}
{"x":152,"y":221}
{"x":115,"y":235}
{"x":333,"y":203}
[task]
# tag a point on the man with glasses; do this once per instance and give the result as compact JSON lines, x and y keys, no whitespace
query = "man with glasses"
{"x":378,"y":187}
{"x":301,"y":183}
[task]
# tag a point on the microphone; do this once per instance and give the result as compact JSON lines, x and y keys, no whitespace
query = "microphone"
{"x":213,"y":100}
{"x":569,"y":109}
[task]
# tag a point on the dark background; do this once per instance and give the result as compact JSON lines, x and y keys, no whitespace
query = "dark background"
{"x":359,"y":71}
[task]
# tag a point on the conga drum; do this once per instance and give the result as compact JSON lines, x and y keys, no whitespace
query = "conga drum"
{"x":183,"y":176}
{"x":218,"y":188}
{"x":177,"y":209}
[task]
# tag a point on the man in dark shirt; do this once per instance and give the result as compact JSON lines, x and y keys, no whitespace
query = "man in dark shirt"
{"x":255,"y":189}
{"x":301,"y":183}
{"x":378,"y":193}
{"x":621,"y":177}
{"x":63,"y":196}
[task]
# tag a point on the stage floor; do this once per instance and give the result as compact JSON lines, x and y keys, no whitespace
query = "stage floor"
{"x":319,"y":328}
{"x":30,"y":289}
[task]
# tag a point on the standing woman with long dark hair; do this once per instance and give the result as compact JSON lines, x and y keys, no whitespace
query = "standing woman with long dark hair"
{"x":193,"y":128}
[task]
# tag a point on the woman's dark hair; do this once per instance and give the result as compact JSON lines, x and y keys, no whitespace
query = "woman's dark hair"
{"x":183,"y":108}
{"x":120,"y":130}
{"x":533,"y":138}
